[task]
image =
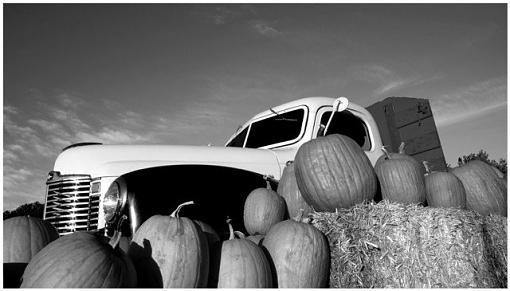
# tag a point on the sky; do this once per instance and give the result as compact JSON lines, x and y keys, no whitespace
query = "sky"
{"x":192,"y":73}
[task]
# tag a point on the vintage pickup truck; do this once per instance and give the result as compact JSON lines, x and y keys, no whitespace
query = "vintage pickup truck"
{"x":92,"y":185}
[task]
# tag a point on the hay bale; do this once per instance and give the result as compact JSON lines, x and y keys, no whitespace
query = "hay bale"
{"x":495,"y":238}
{"x":390,"y":245}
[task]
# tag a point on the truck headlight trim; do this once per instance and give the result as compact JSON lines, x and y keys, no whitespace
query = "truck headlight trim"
{"x":111,"y":201}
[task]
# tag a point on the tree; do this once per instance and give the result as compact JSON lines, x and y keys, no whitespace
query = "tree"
{"x":484,"y":156}
{"x":34,"y":209}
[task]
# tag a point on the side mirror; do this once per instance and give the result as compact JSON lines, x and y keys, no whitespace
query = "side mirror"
{"x":340,"y":104}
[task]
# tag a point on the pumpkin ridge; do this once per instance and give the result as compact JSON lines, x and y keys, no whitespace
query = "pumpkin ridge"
{"x":357,"y":177}
{"x":247,"y":268}
{"x":112,"y":260}
{"x":348,"y":168}
{"x":305,"y":179}
{"x":100,"y":253}
{"x":324,"y":148}
{"x":316,"y":169}
{"x":255,"y":258}
{"x":78,"y":264}
{"x":103,"y":285}
{"x":314,"y":242}
{"x":49,"y":269}
{"x":12,"y":239}
{"x":402,"y":175}
{"x":243,"y":268}
{"x":198,"y":267}
{"x":56,"y":262}
{"x":8,"y":254}
{"x":337,"y":154}
{"x":94,"y":274}
{"x":331,"y":162}
{"x":31,"y":229}
{"x":180,"y":262}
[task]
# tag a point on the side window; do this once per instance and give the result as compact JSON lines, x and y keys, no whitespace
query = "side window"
{"x":276,"y":129}
{"x":238,"y":141}
{"x":350,"y":125}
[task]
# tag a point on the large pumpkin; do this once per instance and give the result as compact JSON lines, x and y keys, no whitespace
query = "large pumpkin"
{"x":486,"y":193}
{"x":401,"y":180}
{"x":263,"y":208}
{"x":170,"y":252}
{"x":80,"y":260}
{"x":299,"y":254}
{"x":334,"y":172}
{"x":25,"y":236}
{"x":243,"y":264}
{"x":288,"y":189}
{"x":444,"y":189}
{"x":401,"y":154}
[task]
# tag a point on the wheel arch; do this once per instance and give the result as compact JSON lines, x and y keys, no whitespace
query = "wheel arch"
{"x":217,"y":191}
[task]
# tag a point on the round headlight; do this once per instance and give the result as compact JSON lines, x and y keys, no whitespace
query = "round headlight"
{"x":111,"y":201}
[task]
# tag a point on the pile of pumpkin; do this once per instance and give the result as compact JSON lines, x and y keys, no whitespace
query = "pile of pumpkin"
{"x":282,"y":249}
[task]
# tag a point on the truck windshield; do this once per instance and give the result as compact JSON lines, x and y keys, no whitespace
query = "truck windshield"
{"x":238,"y":141}
{"x":276,"y":129}
{"x":348,"y":124}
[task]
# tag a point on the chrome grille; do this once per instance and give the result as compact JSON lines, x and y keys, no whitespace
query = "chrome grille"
{"x":69,"y":205}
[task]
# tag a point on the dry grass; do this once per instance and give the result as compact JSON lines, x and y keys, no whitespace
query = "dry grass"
{"x":389,"y":245}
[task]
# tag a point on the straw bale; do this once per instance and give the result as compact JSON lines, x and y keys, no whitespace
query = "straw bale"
{"x":391,"y":245}
{"x":495,"y":235}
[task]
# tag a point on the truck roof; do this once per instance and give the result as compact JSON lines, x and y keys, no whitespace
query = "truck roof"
{"x":312,"y":102}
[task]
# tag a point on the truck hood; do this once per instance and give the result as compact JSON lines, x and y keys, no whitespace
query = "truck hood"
{"x":115,"y":160}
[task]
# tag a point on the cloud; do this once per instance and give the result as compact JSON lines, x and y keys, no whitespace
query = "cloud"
{"x":69,"y":101}
{"x":386,"y":81}
{"x":242,"y":15}
{"x":221,"y":16}
{"x":32,"y":144}
{"x":224,"y":14}
{"x":381,"y":78}
{"x":466,"y":103}
{"x":265,"y":28}
{"x":10,"y":109}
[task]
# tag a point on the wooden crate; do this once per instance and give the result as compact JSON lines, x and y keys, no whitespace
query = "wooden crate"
{"x":409,"y":120}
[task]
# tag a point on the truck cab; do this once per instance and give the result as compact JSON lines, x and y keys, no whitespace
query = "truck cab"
{"x":92,"y":185}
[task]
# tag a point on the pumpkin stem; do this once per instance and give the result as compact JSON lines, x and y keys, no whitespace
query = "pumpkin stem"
{"x":114,"y":241}
{"x":386,"y":153}
{"x":427,"y":168}
{"x":239,"y":234}
{"x":299,"y":216}
{"x":176,"y":211}
{"x":401,"y":148}
{"x":268,"y":185}
{"x":231,"y":229}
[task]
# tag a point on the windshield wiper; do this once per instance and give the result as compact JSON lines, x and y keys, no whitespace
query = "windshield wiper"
{"x":281,"y":118}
